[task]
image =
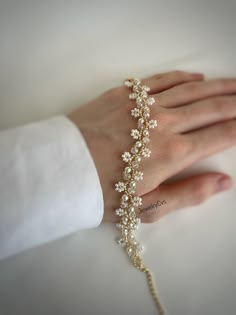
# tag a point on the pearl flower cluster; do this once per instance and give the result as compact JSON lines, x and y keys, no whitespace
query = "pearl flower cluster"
{"x":129,"y":221}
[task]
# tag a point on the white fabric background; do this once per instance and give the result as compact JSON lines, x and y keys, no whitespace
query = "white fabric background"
{"x":56,"y":55}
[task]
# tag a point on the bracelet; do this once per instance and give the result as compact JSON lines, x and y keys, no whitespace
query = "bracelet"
{"x":129,"y":221}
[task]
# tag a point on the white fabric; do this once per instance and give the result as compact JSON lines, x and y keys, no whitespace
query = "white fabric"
{"x":49,"y":186}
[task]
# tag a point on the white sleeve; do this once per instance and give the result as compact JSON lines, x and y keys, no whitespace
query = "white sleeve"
{"x":49,"y":185}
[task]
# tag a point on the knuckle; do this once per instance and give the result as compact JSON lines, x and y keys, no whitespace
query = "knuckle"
{"x":223,"y":83}
{"x":179,"y":74}
{"x":229,"y":129}
{"x":178,"y":147}
{"x":220,"y":103}
{"x":165,"y":118}
{"x":199,"y":193}
{"x":155,"y":76}
{"x":230,"y":100}
{"x":191,"y":87}
{"x":148,"y":80}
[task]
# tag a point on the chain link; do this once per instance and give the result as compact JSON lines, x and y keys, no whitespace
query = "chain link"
{"x":139,"y":264}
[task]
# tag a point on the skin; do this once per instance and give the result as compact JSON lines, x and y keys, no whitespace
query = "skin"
{"x":196,"y":119}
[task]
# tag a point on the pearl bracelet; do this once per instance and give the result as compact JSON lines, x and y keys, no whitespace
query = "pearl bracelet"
{"x":129,"y":221}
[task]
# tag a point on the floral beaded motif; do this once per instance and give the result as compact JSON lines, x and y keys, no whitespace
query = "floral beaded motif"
{"x":129,"y":221}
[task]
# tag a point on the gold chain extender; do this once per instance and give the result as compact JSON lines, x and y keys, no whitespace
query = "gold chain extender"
{"x":129,"y":221}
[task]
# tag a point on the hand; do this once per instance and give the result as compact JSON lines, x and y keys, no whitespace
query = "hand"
{"x":196,"y":119}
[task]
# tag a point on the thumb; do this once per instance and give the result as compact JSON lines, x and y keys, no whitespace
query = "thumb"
{"x":180,"y":194}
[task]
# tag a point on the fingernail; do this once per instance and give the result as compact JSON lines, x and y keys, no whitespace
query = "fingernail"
{"x":223,"y":183}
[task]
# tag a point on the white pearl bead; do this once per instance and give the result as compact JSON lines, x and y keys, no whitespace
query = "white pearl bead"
{"x":134,"y":150}
{"x":125,"y":197}
{"x":141,"y":121}
{"x":129,"y":250}
{"x":132,"y":184}
{"x":128,"y":170}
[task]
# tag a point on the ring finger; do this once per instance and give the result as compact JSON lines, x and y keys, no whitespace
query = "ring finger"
{"x":200,"y":114}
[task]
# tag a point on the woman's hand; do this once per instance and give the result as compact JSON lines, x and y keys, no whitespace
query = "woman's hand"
{"x":196,"y":118}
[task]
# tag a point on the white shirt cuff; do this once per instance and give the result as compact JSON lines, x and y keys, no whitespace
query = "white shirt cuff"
{"x":49,"y":185}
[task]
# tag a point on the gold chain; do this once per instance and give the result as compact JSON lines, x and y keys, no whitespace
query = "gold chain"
{"x":138,"y":263}
{"x":129,"y":221}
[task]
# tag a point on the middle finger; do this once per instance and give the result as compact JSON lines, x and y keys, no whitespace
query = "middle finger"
{"x":194,"y":91}
{"x":200,"y":114}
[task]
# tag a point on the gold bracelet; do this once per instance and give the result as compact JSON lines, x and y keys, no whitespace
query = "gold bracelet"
{"x":129,"y":221}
